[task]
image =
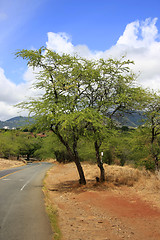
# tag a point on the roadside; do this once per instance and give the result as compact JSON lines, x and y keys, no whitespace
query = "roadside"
{"x":6,"y":163}
{"x":127,"y":206}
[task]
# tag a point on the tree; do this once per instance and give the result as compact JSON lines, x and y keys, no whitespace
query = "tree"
{"x":111,"y":91}
{"x":152,"y":114}
{"x":8,"y":144}
{"x":80,"y":97}
{"x":62,"y":79}
{"x":28,"y":145}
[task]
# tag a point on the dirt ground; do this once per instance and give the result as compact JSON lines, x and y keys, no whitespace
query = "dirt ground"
{"x":109,"y":211}
{"x":5,"y":163}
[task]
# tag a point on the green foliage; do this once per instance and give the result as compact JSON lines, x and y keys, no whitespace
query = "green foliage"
{"x":108,"y":156}
{"x":28,"y":145}
{"x":14,"y":143}
{"x":51,"y":147}
{"x":153,"y":124}
{"x":148,"y":163}
{"x":80,"y":100}
{"x":76,"y":88}
{"x":117,"y":148}
{"x":86,"y":150}
{"x":120,"y":147}
{"x":8,"y":144}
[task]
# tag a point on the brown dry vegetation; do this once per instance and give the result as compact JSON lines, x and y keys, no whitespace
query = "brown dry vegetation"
{"x":6,"y":163}
{"x":126,"y":206}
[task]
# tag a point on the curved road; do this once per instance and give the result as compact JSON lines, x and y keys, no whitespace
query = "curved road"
{"x":22,"y":211}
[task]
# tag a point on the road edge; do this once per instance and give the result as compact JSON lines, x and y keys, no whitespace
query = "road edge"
{"x":51,"y":210}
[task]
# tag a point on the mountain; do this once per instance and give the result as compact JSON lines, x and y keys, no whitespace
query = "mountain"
{"x":130,"y":120}
{"x":16,"y":122}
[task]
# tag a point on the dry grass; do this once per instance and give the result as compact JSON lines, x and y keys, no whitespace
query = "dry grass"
{"x":6,"y":163}
{"x":149,"y":188}
{"x":145,"y":183}
{"x":122,"y":175}
{"x":141,"y":180}
{"x":116,"y":175}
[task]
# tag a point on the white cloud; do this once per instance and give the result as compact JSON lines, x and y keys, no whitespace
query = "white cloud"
{"x":139,"y":34}
{"x":9,"y":91}
{"x":139,"y":41}
{"x":12,"y":94}
{"x":7,"y":111}
{"x":129,"y":36}
{"x":60,"y":42}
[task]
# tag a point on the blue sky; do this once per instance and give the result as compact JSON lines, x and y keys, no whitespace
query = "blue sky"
{"x":89,"y":26}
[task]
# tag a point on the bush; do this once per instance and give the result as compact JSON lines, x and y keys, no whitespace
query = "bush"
{"x":108,"y":156}
{"x":62,"y":156}
{"x":148,"y":163}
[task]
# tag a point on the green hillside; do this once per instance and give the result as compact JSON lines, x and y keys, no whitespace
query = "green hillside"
{"x":16,"y":122}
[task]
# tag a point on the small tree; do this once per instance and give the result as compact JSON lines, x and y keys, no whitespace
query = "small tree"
{"x":28,"y":145}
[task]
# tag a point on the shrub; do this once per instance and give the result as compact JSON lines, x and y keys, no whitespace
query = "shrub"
{"x":148,"y":163}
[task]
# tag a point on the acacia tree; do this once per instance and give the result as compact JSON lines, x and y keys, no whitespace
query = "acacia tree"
{"x":63,"y":79}
{"x":111,"y":91}
{"x":79,"y":97}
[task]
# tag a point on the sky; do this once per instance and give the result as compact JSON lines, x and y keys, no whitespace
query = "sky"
{"x":90,"y":28}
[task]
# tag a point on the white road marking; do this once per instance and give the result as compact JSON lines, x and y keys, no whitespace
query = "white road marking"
{"x":28,"y":181}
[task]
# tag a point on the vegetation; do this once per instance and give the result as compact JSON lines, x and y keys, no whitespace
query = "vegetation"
{"x":15,"y":143}
{"x":81,"y":98}
{"x":16,"y":122}
{"x":153,"y":125}
{"x":123,"y":147}
{"x":81,"y":111}
{"x":52,"y":213}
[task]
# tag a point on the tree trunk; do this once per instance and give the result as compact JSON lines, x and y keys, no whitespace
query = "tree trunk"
{"x":28,"y":157}
{"x":75,"y":158}
{"x":155,"y":156}
{"x":99,"y":162}
{"x":156,"y":164}
{"x":74,"y":154}
{"x":82,"y":179}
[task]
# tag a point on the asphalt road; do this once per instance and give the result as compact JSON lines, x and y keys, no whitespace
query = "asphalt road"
{"x":22,"y":210}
